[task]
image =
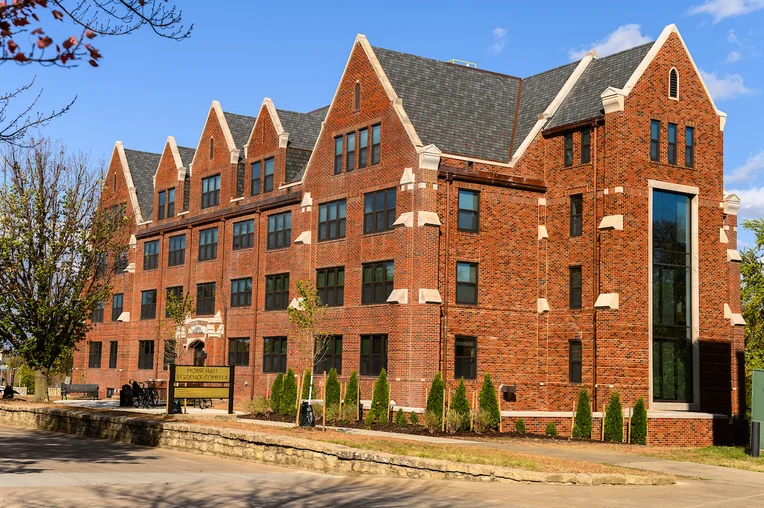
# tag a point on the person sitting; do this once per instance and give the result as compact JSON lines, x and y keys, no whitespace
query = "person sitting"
{"x":136,"y":389}
{"x":8,"y":392}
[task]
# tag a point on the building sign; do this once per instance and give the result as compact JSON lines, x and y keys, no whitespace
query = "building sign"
{"x":182,"y":392}
{"x":200,"y":382}
{"x":190,"y":374}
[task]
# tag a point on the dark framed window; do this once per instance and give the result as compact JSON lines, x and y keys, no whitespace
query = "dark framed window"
{"x":574,"y":287}
{"x":120,"y":261}
{"x":243,"y":234}
{"x":240,"y":179}
{"x":673,"y":84}
{"x":376,"y":143}
{"x":379,"y":211}
{"x":101,"y":265}
{"x":171,"y":202}
{"x":210,"y":191}
{"x":689,"y":147}
{"x":205,"y":299}
{"x":277,"y":291}
{"x":350,"y":157}
{"x":268,"y":179}
{"x":146,"y":354}
{"x":330,"y":283}
{"x":568,"y":149}
{"x":117,"y":303}
{"x":151,"y":255}
{"x":574,"y":361}
{"x":254,"y":188}
{"x":113,"y":349}
{"x":465,"y":357}
{"x":238,"y":352}
{"x":177,"y":250}
{"x":274,"y":354}
{"x":331,"y":220}
{"x":576,"y":214}
{"x":208,"y":244}
{"x":671,"y":153}
{"x":655,"y":140}
{"x":357,"y":97}
{"x":97,"y":315}
{"x":373,"y":354}
{"x":149,"y":304}
{"x":94,"y":355}
{"x":586,"y":146}
{"x":469,"y":210}
{"x":363,"y":148}
{"x":172,"y":292}
{"x":466,"y":283}
{"x":241,"y":292}
{"x":328,"y":355}
{"x":212,"y":148}
{"x":162,"y":202}
{"x":338,"y":155}
{"x":377,"y":282}
{"x":279,"y":230}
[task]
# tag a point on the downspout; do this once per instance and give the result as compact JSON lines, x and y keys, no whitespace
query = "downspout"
{"x":222,"y":292}
{"x":164,"y":299}
{"x":255,"y":300}
{"x":595,"y":270}
{"x":444,"y":337}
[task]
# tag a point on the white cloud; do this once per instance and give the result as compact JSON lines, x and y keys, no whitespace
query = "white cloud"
{"x":500,"y":39}
{"x":752,"y":167}
{"x":721,"y":9}
{"x":728,"y":86}
{"x":624,"y":37}
{"x":734,"y":56}
{"x":732,"y":38}
{"x":751,"y":202}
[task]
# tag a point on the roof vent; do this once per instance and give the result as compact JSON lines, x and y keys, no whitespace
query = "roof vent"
{"x":463,"y":63}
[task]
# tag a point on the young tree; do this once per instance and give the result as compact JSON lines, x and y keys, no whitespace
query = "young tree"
{"x":55,"y":246}
{"x":582,"y":425}
{"x":307,"y":317}
{"x":639,"y":423}
{"x":380,"y":401}
{"x":614,"y":419}
{"x":435,"y":397}
{"x":276,"y":393}
{"x":332,"y":389}
{"x":288,"y":402}
{"x":461,"y":406}
{"x":351,"y":392}
{"x":752,"y":296}
{"x":489,"y":404}
{"x":179,"y":309}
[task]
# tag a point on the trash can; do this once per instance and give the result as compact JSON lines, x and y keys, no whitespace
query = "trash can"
{"x":306,"y":415}
{"x":109,"y":393}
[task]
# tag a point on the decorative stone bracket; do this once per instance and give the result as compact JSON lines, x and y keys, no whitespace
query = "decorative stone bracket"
{"x":611,"y":222}
{"x":429,"y":296}
{"x":735,"y":319}
{"x":734,"y":256}
{"x":303,"y":239}
{"x":307,"y":202}
{"x":607,"y":301}
{"x":542,"y":306}
{"x":124,"y":317}
{"x":399,"y":296}
{"x":543,"y":233}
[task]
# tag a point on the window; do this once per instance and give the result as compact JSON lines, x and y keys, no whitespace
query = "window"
{"x":240,"y":179}
{"x":378,"y":211}
{"x":117,"y":302}
{"x":373,"y":354}
{"x":574,"y":287}
{"x":208,"y":244}
{"x":279,"y":230}
{"x":205,"y":299}
{"x":255,"y":184}
{"x":338,"y":155}
{"x":241,"y":292}
{"x":357,"y":97}
{"x":330,"y":283}
{"x":331,"y":220}
{"x":170,"y":202}
{"x":101,"y":264}
{"x":376,"y":144}
{"x":151,"y":255}
{"x":160,"y":210}
{"x":238,"y":352}
{"x":568,"y":149}
{"x":274,"y":354}
{"x":146,"y":354}
{"x":149,"y":304}
{"x":211,"y":191}
{"x":576,"y":214}
{"x":469,"y":210}
{"x":351,"y":152}
{"x":672,"y":143}
{"x":466,"y":283}
{"x":243,"y":234}
{"x":173,"y":293}
{"x":377,"y":283}
{"x":268,"y":181}
{"x":363,"y":148}
{"x":586,"y":146}
{"x":94,"y":356}
{"x":120,"y":261}
{"x":277,"y":291}
{"x":212,"y":148}
{"x":574,"y":361}
{"x":673,"y":84}
{"x":655,"y":132}
{"x":465,"y":357}
{"x":113,"y":347}
{"x":328,"y":355}
{"x":97,"y":315}
{"x":689,"y":147}
{"x":177,"y":252}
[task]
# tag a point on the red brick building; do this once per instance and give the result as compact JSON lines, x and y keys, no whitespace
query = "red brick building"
{"x":564,"y":230}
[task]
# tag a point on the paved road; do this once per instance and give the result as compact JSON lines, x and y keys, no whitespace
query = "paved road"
{"x":46,"y":469}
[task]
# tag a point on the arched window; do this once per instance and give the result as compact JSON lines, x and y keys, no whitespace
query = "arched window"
{"x":211,"y":147}
{"x":673,"y":84}
{"x":357,"y":98}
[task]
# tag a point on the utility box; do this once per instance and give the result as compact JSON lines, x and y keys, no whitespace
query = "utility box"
{"x":757,"y":399}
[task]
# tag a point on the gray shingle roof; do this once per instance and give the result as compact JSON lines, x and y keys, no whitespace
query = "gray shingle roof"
{"x":143,"y":166}
{"x":460,"y":110}
{"x":186,"y":155}
{"x":240,"y":126}
{"x":303,"y":128}
{"x":320,"y":112}
{"x":584,"y":101}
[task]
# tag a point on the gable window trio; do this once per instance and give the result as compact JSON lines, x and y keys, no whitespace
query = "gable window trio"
{"x":369,"y":149}
{"x":672,"y":157}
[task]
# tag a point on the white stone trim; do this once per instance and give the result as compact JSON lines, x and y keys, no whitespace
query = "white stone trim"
{"x":727,"y":311}
{"x":607,"y":301}
{"x":133,"y":241}
{"x":668,"y":91}
{"x":175,"y":157}
{"x":734,"y":256}
{"x":427,"y":219}
{"x":737,"y":320}
{"x":184,"y":212}
{"x":405,"y":219}
{"x":612,"y":100}
{"x":304,"y":238}
{"x":543,"y":233}
{"x":235,"y":200}
{"x":218,"y":110}
{"x":542,"y":305}
{"x":618,"y":190}
{"x":130,"y":268}
{"x":429,"y":157}
{"x":307,"y":202}
{"x":723,"y":236}
{"x":731,"y":204}
{"x":124,"y":317}
{"x":296,"y":303}
{"x":429,"y":296}
{"x":128,"y":176}
{"x":610,"y":222}
{"x":542,"y":201}
{"x":400,"y":296}
{"x":407,"y":177}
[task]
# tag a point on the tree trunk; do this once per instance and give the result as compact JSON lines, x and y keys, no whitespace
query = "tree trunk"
{"x":40,"y":385}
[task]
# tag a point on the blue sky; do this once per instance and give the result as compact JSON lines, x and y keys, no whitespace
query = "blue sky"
{"x":147,"y":88}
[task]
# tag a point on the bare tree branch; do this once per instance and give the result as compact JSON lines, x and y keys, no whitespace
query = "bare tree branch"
{"x":13,"y":128}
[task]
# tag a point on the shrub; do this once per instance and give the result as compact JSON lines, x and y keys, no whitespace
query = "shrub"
{"x":435,"y":397}
{"x":489,"y":405}
{"x":332,"y":389}
{"x":414,"y":418}
{"x":431,"y":421}
{"x":460,"y":406}
{"x":520,"y":426}
{"x":582,"y":425}
{"x":614,"y":419}
{"x":288,"y":401}
{"x":351,"y":396}
{"x":348,"y":414}
{"x":483,"y":421}
{"x":454,"y":422}
{"x":380,"y":401}
{"x":306,"y":385}
{"x":639,"y":423}
{"x":276,"y":393}
{"x":400,"y":418}
{"x":332,"y":412}
{"x":551,"y":429}
{"x":257,"y":406}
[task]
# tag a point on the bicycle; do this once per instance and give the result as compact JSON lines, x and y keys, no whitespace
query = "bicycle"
{"x":205,"y":403}
{"x":146,"y":398}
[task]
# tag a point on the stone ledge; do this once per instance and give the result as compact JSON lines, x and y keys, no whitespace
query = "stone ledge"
{"x":288,"y":451}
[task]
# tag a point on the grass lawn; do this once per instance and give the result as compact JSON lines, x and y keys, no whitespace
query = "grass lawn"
{"x":727,"y":456}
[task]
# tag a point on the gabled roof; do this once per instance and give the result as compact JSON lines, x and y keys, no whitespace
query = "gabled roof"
{"x":303,"y":128}
{"x":240,"y":127}
{"x":320,"y":112}
{"x":143,"y":166}
{"x":186,"y":155}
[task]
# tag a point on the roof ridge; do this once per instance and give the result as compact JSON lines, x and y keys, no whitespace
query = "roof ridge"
{"x":142,"y":151}
{"x":625,"y":50}
{"x":237,"y":114}
{"x":298,"y":113}
{"x":575,"y":62}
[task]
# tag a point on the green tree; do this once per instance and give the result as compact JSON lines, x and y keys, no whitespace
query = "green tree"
{"x":752,"y":296}
{"x":614,"y":419}
{"x":582,"y":425}
{"x":179,"y":308}
{"x":332,"y":389}
{"x":551,"y":429}
{"x":460,"y":405}
{"x":380,"y":401}
{"x":400,"y":418}
{"x":489,"y":404}
{"x":307,"y":316}
{"x":639,"y":423}
{"x":288,"y":403}
{"x":276,"y":393}
{"x":435,"y":397}
{"x":520,"y":426}
{"x":351,"y":391}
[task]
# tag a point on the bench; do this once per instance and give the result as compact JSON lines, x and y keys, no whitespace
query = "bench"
{"x":67,"y":389}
